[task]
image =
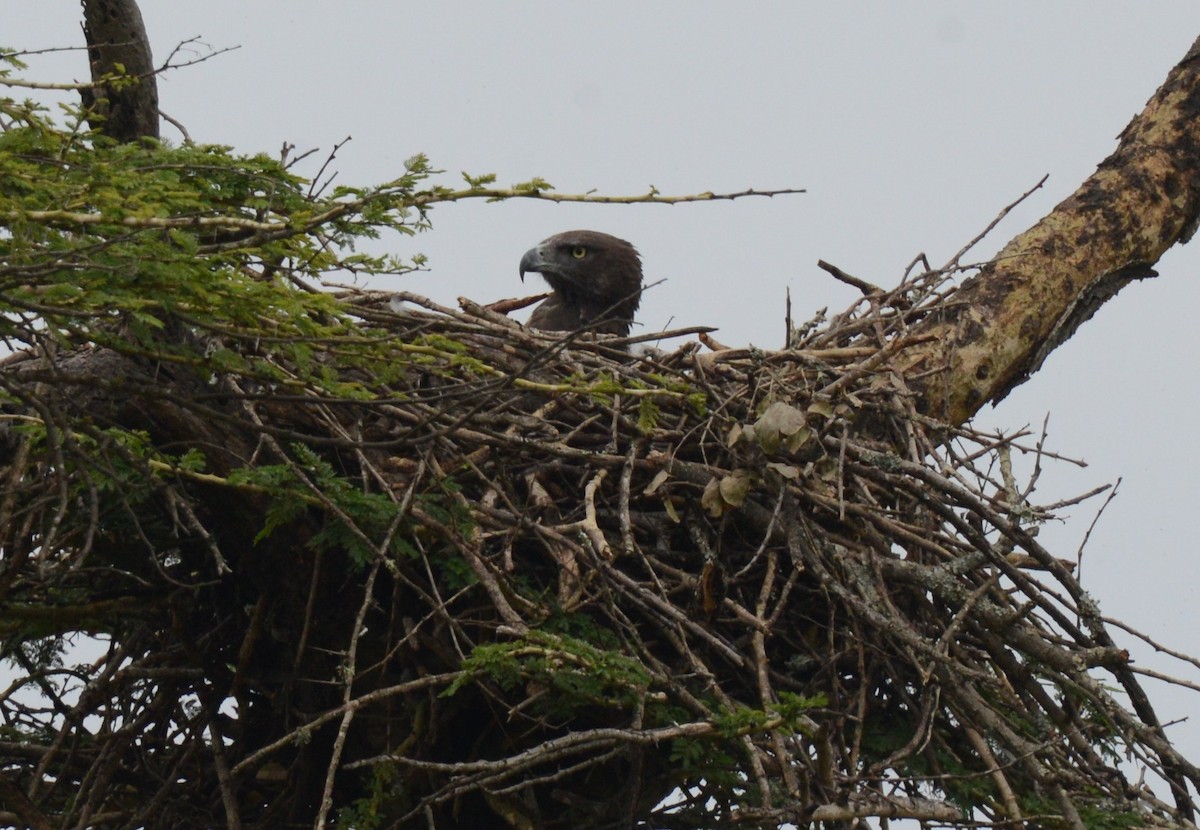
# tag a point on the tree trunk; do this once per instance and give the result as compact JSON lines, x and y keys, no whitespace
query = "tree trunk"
{"x":1045,"y":283}
{"x":118,"y":46}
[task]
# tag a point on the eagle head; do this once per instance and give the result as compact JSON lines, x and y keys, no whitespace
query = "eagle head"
{"x":596,"y":278}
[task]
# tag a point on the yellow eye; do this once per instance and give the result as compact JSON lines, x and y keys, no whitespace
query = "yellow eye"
{"x":579,"y":252}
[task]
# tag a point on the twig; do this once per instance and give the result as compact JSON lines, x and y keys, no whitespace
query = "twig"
{"x":867,"y":289}
{"x":349,"y":672}
{"x":954,"y":260}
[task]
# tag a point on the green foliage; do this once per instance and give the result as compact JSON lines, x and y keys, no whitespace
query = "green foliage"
{"x":40,"y":653}
{"x":964,"y":783}
{"x":288,"y":496}
{"x":791,"y":707}
{"x":98,"y":234}
{"x":8,"y":56}
{"x":715,"y":761}
{"x":209,"y":260}
{"x":369,"y":812}
{"x":362,"y":523}
{"x":584,"y":627}
{"x":534,"y":185}
{"x":582,"y":674}
{"x":707,"y":760}
{"x":1110,"y":815}
{"x":484,"y":180}
{"x":648,"y":412}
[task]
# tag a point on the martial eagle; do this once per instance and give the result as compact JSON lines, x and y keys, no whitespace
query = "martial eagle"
{"x":597,"y":282}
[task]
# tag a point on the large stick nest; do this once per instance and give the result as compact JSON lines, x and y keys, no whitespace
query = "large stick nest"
{"x":505,"y":575}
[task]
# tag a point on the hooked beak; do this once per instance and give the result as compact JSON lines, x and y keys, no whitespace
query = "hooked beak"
{"x":532,"y":261}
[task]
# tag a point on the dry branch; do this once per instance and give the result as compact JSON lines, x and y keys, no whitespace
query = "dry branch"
{"x":1046,"y":282}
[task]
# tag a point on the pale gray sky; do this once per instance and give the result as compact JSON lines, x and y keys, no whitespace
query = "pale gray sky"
{"x":910,"y":125}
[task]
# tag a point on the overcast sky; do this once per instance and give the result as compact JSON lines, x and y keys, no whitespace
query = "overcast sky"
{"x":911,"y":125}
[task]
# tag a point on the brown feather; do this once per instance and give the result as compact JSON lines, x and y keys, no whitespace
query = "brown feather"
{"x":597,"y":282}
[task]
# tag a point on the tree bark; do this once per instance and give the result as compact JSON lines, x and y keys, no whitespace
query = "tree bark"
{"x":118,"y":45}
{"x":1045,"y":283}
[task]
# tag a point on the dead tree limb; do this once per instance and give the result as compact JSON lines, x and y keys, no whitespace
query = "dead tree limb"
{"x":1046,"y":282}
{"x":125,"y":98}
